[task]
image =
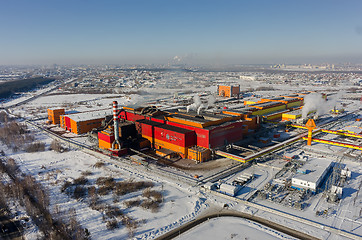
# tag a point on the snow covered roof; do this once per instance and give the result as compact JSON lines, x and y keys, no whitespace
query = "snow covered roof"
{"x":228,"y":188}
{"x":313,"y":170}
{"x":85,"y":116}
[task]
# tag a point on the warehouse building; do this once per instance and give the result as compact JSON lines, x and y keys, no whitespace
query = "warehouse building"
{"x":228,"y":91}
{"x":54,"y":115}
{"x":293,"y":115}
{"x":289,"y":102}
{"x":211,"y":130}
{"x":267,"y":108}
{"x":311,"y":175}
{"x":188,"y":134}
{"x":228,"y":189}
{"x":84,"y":122}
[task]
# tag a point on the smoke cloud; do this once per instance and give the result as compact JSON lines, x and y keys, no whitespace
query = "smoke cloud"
{"x":211,"y":101}
{"x":195,"y":105}
{"x":333,"y":100}
{"x":315,"y":102}
{"x":200,"y":108}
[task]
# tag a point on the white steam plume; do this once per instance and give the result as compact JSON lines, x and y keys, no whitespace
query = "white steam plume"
{"x":211,"y":101}
{"x":199,"y":109}
{"x":333,"y":100}
{"x":315,"y":102}
{"x":195,"y":105}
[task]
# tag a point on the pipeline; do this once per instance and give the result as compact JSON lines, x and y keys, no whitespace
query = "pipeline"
{"x":340,"y":144}
{"x":347,"y":134}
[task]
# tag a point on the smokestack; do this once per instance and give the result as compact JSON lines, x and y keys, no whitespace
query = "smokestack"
{"x":116,"y":127}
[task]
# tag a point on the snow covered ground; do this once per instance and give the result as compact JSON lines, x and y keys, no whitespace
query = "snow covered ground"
{"x":232,"y":228}
{"x":180,"y":204}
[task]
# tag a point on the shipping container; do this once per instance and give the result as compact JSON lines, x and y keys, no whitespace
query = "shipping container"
{"x":118,"y":152}
{"x":253,"y":122}
{"x":166,"y":153}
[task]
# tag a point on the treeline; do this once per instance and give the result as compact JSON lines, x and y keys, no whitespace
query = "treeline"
{"x":13,"y":134}
{"x":9,"y":88}
{"x":35,"y":199}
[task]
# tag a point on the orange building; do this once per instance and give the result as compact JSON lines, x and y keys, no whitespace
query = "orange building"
{"x":228,"y":91}
{"x":80,"y":123}
{"x":199,"y":154}
{"x":54,"y":115}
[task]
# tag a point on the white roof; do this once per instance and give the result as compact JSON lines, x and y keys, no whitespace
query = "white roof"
{"x":314,"y":168}
{"x":84,"y":116}
{"x":228,"y":188}
{"x":55,"y":108}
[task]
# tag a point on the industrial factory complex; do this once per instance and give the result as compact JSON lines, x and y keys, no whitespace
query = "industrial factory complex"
{"x":191,"y":134}
{"x":196,"y":133}
{"x":144,"y":152}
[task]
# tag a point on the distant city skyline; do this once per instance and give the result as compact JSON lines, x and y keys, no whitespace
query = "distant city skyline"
{"x":193,"y":32}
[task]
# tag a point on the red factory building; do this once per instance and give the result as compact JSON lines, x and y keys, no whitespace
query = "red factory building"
{"x":187,"y":134}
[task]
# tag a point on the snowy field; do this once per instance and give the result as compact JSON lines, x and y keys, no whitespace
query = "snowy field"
{"x":232,"y":228}
{"x":52,"y":169}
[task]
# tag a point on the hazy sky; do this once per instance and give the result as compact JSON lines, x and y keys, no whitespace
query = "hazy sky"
{"x":153,"y":31}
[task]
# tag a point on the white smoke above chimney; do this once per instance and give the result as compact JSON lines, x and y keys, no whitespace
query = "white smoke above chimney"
{"x":200,"y":108}
{"x":211,"y":101}
{"x":195,"y":105}
{"x":316,"y":102}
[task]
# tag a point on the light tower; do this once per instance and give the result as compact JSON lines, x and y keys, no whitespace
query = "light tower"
{"x":310,"y":125}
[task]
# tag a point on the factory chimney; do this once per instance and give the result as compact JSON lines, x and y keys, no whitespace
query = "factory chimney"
{"x":116,"y":127}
